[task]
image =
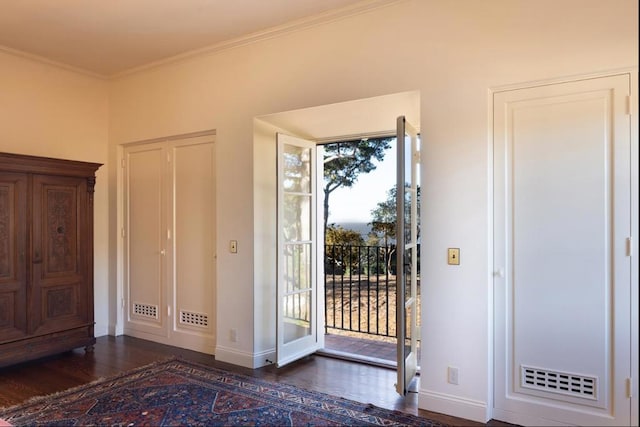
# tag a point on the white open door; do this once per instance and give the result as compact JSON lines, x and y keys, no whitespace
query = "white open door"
{"x":407,"y":253}
{"x":298,"y":299}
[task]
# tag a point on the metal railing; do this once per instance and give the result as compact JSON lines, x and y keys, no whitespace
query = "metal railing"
{"x":360,"y":289}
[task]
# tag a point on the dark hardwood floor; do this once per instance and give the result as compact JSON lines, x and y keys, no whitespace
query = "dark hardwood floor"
{"x":112,"y":355}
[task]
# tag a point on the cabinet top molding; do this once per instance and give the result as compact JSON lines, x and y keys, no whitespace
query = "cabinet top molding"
{"x":10,"y":162}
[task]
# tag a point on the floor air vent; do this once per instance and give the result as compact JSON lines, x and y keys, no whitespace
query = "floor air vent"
{"x":145,"y":310}
{"x":194,"y":319}
{"x":559,"y":382}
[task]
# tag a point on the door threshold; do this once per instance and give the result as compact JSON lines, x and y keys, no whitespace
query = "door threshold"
{"x":352,"y":357}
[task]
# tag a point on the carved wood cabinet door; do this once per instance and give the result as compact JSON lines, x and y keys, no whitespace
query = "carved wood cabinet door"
{"x":59,"y":254}
{"x":13,"y":232}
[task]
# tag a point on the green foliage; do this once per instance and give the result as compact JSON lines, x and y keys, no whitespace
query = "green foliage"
{"x":383,"y":217}
{"x":336,"y":235}
{"x":345,"y":161}
{"x":343,"y":254}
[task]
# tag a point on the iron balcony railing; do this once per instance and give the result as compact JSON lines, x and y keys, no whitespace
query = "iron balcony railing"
{"x":360,"y":289}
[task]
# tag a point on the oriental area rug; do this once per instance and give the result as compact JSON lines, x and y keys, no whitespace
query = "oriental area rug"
{"x":179,"y":392}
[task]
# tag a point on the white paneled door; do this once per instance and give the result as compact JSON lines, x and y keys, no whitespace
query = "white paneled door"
{"x":562,"y":281}
{"x":407,"y":226}
{"x":299,"y":320}
{"x":169,"y":234}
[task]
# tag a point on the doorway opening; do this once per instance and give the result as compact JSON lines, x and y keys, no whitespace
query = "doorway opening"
{"x":360,"y":286}
{"x":288,"y":204}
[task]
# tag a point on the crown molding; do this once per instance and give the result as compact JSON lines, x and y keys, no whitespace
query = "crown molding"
{"x":273,"y":32}
{"x":255,"y":37}
{"x":43,"y":60}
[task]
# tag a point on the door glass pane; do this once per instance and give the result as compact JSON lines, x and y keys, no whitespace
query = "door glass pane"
{"x":297,"y":267}
{"x":408,"y":189}
{"x":296,"y":334}
{"x":408,"y":273}
{"x":409,"y":332}
{"x":297,"y":218}
{"x":297,"y":169}
{"x":297,"y":316}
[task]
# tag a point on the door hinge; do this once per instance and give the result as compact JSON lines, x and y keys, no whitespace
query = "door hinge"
{"x":169,"y":311}
{"x":122,"y":233}
{"x":122,"y":303}
{"x":628,"y":105}
{"x":123,"y":164}
{"x":628,"y":246}
{"x":629,"y":388}
{"x":168,"y":158}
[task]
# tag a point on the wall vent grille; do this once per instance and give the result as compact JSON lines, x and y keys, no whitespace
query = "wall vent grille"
{"x":194,"y":319}
{"x":145,"y":310}
{"x":559,"y":382}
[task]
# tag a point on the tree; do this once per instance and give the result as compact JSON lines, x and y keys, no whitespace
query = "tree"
{"x":336,"y":235}
{"x":345,"y":161}
{"x":384,"y":218}
{"x":384,"y":215}
{"x":341,"y":254}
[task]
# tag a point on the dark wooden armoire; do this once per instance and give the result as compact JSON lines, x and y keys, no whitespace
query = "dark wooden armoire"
{"x":46,"y":256}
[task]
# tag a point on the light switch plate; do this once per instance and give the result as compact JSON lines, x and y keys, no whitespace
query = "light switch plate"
{"x":454,"y":256}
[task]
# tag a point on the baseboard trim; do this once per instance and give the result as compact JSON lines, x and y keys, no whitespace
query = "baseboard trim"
{"x":235,"y":356}
{"x":456,"y":406}
{"x":524,"y":419}
{"x":264,"y":358}
{"x":188,"y":343}
{"x":100,"y":329}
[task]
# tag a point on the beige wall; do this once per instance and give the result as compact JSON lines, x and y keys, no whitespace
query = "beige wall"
{"x":47,"y":111}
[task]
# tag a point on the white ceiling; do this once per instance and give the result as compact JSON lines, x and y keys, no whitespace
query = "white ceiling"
{"x":110,"y":37}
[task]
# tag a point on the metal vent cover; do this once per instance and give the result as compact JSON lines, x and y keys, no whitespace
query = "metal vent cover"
{"x":194,"y":319}
{"x":145,"y":310}
{"x":559,"y":382}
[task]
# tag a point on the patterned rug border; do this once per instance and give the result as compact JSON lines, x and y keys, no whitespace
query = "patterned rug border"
{"x":358,"y":409}
{"x":37,"y":400}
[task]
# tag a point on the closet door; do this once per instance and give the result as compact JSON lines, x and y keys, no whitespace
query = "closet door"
{"x":13,"y":236}
{"x":59,"y":259}
{"x":170,"y":242}
{"x":562,"y":227}
{"x":192,"y":243}
{"x":145,"y":244}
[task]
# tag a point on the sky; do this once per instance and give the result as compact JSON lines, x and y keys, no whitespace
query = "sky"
{"x":355,"y":204}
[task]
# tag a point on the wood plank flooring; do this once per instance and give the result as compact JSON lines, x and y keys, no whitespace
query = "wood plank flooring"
{"x":112,"y":355}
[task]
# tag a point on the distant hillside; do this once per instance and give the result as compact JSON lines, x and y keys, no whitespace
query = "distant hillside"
{"x":361,"y":227}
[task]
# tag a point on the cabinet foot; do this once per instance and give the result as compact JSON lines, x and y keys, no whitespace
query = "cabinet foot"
{"x":89,"y":348}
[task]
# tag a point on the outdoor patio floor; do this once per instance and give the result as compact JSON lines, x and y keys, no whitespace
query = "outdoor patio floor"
{"x":377,"y":350}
